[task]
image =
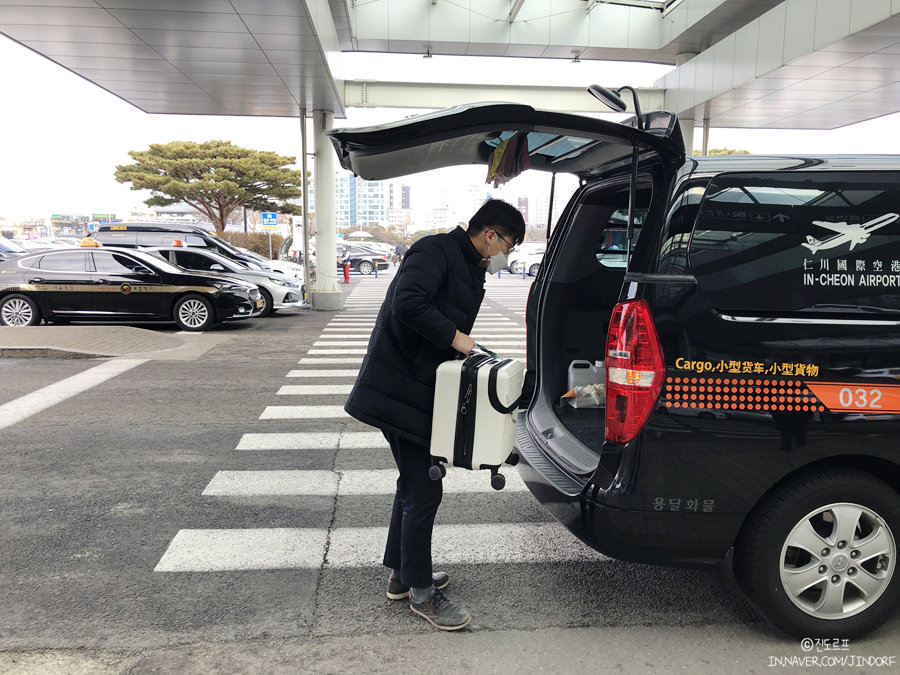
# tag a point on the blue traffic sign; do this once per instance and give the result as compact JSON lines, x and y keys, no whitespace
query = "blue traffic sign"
{"x":269,"y":220}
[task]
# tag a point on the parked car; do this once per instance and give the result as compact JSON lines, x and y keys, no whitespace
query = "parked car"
{"x":62,"y":285}
{"x":161,"y":233}
{"x":522,"y":250}
{"x":277,"y":290}
{"x":764,"y":288}
{"x":10,"y":249}
{"x":285,"y":267}
{"x":34,"y":244}
{"x":531,"y":263}
{"x":365,"y":261}
{"x":60,"y":242}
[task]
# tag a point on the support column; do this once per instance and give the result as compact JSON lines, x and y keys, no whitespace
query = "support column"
{"x":301,"y":234}
{"x":327,"y":293}
{"x":687,"y":132}
{"x":686,"y":123}
{"x":705,"y":145}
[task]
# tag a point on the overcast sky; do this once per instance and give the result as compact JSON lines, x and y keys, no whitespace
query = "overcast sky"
{"x":62,"y":136}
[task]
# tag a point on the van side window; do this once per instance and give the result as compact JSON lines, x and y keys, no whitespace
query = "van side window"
{"x":612,"y":240}
{"x":673,"y":254}
{"x":194,"y":240}
{"x":811,"y":243}
{"x":116,"y":238}
{"x":156,"y":238}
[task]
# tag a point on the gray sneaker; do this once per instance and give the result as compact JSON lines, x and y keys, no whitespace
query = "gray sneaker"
{"x":397,"y":590}
{"x":440,"y":612}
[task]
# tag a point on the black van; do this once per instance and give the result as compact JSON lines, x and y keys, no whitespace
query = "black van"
{"x":153,"y":234}
{"x":750,"y":334}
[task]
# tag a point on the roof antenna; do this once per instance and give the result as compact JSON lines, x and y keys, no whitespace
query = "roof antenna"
{"x":614,"y":101}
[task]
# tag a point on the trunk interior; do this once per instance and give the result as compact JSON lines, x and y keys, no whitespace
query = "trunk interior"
{"x":580,"y":288}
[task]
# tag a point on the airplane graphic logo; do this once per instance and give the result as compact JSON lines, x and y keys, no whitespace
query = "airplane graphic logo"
{"x":852,"y":234}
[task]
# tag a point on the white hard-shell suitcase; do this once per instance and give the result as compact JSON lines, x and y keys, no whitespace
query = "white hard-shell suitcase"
{"x":475,"y":410}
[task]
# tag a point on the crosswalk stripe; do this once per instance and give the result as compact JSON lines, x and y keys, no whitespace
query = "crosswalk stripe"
{"x":337,"y":351}
{"x":302,"y":412}
{"x":316,"y":360}
{"x":500,"y":543}
{"x":324,"y":440}
{"x":323,"y":373}
{"x":340,"y":343}
{"x":354,"y":547}
{"x":249,"y":549}
{"x":344,"y":483}
{"x":314,"y":389}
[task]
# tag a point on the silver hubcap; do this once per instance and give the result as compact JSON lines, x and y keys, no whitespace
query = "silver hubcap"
{"x":17,"y":312}
{"x":837,"y":561}
{"x":193,"y":313}
{"x":365,"y":268}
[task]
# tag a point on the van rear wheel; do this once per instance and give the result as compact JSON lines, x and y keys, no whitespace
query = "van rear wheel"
{"x":819,"y":557}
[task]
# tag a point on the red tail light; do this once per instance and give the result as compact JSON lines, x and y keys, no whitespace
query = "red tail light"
{"x":635,"y":369}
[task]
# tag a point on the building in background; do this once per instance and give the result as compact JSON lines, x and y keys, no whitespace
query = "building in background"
{"x":523,"y":209}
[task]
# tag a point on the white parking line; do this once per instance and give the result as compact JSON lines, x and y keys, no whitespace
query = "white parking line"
{"x":25,"y":406}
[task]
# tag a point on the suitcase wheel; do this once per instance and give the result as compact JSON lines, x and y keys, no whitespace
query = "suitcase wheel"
{"x":513,"y":459}
{"x":498,"y":480}
{"x":437,"y":471}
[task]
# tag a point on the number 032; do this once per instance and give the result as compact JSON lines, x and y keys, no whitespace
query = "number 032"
{"x":860,"y":398}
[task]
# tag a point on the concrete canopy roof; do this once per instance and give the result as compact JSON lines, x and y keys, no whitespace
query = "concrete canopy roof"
{"x":204,"y":57}
{"x":741,"y":63}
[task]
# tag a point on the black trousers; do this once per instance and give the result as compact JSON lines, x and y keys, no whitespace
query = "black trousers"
{"x":416,"y":503}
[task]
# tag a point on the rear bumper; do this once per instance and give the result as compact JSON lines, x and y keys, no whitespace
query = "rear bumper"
{"x":691,"y":540}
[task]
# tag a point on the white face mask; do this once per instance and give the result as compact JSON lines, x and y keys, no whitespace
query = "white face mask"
{"x":497,"y":262}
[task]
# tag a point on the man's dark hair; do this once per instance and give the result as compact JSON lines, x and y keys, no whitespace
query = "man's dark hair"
{"x":502,"y":217}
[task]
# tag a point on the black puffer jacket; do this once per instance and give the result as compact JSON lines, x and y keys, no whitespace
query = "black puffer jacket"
{"x":437,"y":291}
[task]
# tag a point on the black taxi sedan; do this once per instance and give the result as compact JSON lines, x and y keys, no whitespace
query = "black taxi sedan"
{"x":91,"y":284}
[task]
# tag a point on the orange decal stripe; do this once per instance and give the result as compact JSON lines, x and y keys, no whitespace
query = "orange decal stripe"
{"x":844,"y":396}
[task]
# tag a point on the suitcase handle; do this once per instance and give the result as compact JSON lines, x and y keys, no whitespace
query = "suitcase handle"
{"x":492,"y":391}
{"x":486,"y":351}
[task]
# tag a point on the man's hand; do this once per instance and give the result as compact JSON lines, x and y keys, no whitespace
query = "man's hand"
{"x":463,"y":343}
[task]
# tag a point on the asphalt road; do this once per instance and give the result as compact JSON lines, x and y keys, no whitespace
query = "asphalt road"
{"x":220,"y":514}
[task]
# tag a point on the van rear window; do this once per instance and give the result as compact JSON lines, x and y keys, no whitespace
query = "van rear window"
{"x":800,"y":242}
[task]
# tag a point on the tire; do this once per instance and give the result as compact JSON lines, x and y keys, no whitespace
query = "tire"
{"x":19,"y":310}
{"x":534,"y":269}
{"x":365,"y":267}
{"x":194,"y":313}
{"x":267,"y":298}
{"x":818,"y":558}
